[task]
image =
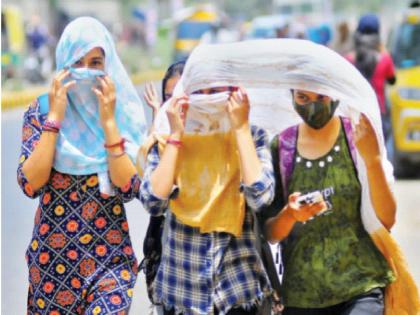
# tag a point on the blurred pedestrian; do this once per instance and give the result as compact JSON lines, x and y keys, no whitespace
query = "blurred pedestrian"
{"x":78,"y":147}
{"x":172,"y":75}
{"x":343,"y":42}
{"x":283,"y":31}
{"x":39,"y":63}
{"x":374,"y":62}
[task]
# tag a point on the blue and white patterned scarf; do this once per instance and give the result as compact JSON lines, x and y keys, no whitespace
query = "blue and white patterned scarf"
{"x":80,"y":147}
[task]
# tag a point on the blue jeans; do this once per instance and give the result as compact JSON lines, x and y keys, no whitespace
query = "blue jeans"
{"x":370,"y":303}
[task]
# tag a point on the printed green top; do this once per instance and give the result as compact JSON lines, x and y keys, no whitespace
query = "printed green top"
{"x":331,"y":258}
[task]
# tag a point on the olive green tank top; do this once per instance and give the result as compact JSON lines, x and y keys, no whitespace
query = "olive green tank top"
{"x":331,"y":258}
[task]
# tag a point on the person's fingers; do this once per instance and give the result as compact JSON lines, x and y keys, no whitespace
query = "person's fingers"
{"x":146,"y":97}
{"x":184,"y":110}
{"x":151,"y":89}
{"x":69,"y":85}
{"x":62,"y":74}
{"x":147,"y":92}
{"x":244,"y":94}
{"x":56,"y":82}
{"x":357,"y":133}
{"x":103,"y":84}
{"x":107,"y":79}
{"x":367,"y":124}
{"x":317,"y":207}
{"x":236,"y":98}
{"x":174,"y":106}
{"x":293,"y":197}
{"x":99,"y":95}
{"x":111,"y":86}
{"x":293,"y":200}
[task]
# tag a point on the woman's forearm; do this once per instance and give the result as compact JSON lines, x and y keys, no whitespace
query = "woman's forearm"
{"x":380,"y":193}
{"x":250,"y":163}
{"x":280,"y":226}
{"x":37,"y":167}
{"x":163,"y":177}
{"x":121,"y":169}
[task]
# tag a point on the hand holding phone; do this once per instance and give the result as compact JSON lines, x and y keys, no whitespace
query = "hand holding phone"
{"x":309,"y":198}
{"x":305,"y":207}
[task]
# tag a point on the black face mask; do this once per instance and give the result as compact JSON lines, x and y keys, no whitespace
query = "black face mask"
{"x":316,"y":114}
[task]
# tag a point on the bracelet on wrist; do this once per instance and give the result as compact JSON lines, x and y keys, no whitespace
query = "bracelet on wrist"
{"x":174,"y":142}
{"x":51,"y":125}
{"x":120,"y":144}
{"x":50,"y":129}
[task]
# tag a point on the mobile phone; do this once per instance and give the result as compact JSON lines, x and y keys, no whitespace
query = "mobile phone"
{"x":312,"y":197}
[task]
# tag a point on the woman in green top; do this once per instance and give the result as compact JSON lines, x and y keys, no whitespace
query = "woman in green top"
{"x":331,"y":265}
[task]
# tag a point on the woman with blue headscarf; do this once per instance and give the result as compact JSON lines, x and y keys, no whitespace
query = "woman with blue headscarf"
{"x":78,"y":147}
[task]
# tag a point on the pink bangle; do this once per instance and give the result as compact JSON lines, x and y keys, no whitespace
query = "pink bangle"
{"x":54,"y":124}
{"x":174,"y":142}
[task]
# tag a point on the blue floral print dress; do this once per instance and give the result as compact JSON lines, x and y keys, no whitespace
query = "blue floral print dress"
{"x":80,"y":256}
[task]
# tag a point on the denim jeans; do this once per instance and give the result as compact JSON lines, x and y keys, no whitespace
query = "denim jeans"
{"x":370,"y":303}
{"x":233,"y":311}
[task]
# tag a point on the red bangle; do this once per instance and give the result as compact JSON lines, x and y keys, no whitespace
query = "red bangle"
{"x":51,"y":125}
{"x":51,"y":129}
{"x":174,"y":142}
{"x":118,"y":144}
{"x":55,"y":124}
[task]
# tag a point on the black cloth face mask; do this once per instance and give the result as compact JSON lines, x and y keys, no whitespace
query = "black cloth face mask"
{"x":316,"y":114}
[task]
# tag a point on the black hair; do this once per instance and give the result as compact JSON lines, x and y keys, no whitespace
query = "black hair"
{"x":175,"y":69}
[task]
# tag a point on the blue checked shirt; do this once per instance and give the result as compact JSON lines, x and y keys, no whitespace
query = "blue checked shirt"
{"x":201,"y":271}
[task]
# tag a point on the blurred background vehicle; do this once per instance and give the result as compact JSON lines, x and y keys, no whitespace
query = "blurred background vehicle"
{"x":269,"y":26}
{"x":404,"y":97}
{"x":12,"y":41}
{"x":191,"y":24}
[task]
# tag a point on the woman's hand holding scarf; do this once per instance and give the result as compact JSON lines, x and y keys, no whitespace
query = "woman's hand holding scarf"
{"x":107,"y":99}
{"x":121,"y":169}
{"x":37,"y":167}
{"x":58,"y":96}
{"x":366,"y":141}
{"x":238,"y":109}
{"x":383,"y":200}
{"x":163,"y":177}
{"x":177,"y":112}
